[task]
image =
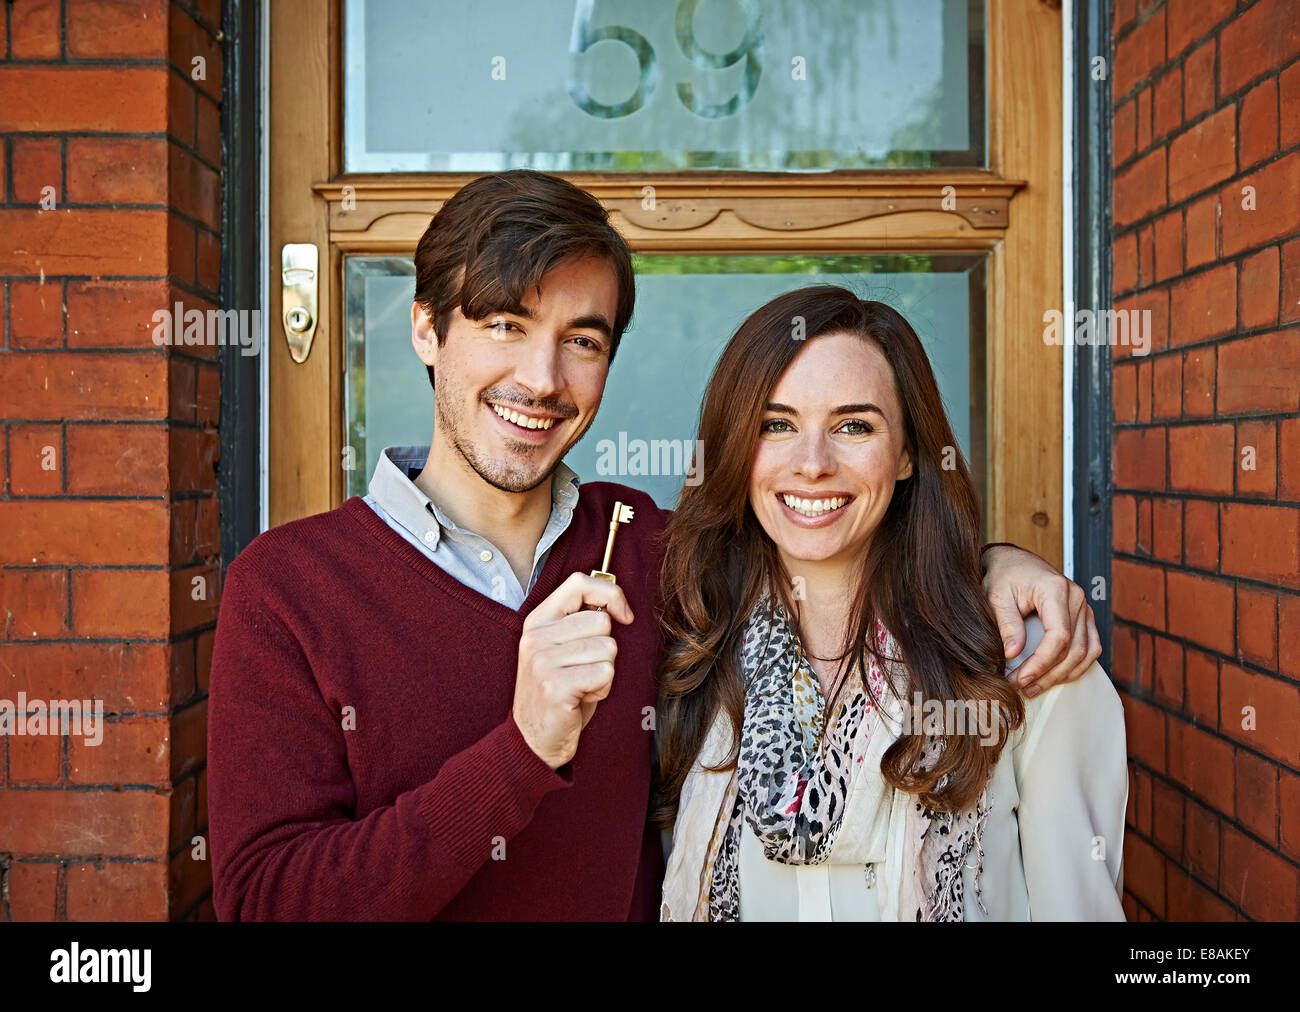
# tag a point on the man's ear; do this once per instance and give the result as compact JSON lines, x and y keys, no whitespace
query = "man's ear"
{"x":423,"y":338}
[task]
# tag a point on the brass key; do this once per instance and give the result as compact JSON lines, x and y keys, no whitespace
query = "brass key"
{"x":622,"y":514}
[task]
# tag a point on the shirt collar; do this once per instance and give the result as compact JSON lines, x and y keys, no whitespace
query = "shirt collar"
{"x":393,"y":488}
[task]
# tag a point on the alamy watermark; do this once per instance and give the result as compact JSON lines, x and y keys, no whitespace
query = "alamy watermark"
{"x":181,"y":327}
{"x":1100,"y":326}
{"x":75,"y":965}
{"x":74,"y":717}
{"x":944,"y":717}
{"x":654,"y":456}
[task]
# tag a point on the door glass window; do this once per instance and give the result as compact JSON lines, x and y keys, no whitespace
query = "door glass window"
{"x":687,"y":308}
{"x":569,"y":85}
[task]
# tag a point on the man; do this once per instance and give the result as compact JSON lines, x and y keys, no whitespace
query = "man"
{"x":414,"y":709}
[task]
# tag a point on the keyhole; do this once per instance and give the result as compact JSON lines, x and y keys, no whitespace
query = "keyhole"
{"x":298,"y":319}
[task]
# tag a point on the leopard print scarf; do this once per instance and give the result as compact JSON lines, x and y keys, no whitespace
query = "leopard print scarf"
{"x":792,"y":792}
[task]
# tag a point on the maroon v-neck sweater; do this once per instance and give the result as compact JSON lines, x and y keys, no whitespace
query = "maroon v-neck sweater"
{"x":362,"y":758}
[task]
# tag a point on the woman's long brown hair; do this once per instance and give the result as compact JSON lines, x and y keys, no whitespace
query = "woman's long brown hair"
{"x":920,"y":576}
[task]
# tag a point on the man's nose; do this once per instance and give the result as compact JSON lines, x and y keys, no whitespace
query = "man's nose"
{"x":539,"y":368}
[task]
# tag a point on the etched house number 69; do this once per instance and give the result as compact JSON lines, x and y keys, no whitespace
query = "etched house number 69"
{"x":750,"y":50}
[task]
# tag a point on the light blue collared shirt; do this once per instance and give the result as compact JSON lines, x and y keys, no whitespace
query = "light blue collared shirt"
{"x":464,"y":555}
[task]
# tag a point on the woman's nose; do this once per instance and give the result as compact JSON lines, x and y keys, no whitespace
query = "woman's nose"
{"x":813,"y":457}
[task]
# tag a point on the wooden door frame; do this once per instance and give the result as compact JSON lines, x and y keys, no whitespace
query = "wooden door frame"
{"x":1012,"y":211}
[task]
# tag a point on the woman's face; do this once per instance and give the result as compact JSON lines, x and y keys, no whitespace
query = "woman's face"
{"x":830,"y":448}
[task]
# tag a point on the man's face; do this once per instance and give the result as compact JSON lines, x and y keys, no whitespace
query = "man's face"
{"x":514,"y":391}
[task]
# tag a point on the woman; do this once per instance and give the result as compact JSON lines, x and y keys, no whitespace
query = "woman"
{"x":838,"y":736}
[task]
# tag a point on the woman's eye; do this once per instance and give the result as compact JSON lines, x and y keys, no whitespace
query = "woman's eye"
{"x":771,"y":425}
{"x":856,"y":427}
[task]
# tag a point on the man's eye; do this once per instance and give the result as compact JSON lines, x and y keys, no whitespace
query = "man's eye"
{"x":591,"y":344}
{"x":501,"y":325}
{"x":771,"y":425}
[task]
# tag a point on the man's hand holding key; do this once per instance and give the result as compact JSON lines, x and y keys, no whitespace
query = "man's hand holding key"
{"x":566,"y":664}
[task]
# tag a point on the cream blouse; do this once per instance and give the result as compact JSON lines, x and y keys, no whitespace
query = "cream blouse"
{"x":1053,"y":842}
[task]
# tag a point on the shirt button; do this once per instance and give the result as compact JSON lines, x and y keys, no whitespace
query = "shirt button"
{"x":485,"y":555}
{"x":430,"y":536}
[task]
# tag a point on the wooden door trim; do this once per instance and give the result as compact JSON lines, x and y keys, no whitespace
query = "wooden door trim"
{"x":304,"y":442}
{"x":1025,"y":280}
{"x":960,"y":211}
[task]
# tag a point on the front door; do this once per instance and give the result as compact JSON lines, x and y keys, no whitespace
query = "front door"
{"x":907,"y":149}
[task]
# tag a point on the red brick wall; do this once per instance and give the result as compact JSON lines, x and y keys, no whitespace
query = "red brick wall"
{"x":108,"y":508}
{"x":1207,"y":550}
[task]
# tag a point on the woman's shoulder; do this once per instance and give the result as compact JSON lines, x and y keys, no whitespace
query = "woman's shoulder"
{"x":1089,"y":702}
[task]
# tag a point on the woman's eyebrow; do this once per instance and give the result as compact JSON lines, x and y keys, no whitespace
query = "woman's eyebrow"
{"x":843,"y":409}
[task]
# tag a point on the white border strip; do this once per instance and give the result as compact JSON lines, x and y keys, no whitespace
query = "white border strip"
{"x":1067,"y":278}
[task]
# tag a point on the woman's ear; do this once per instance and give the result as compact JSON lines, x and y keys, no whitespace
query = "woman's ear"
{"x":423,"y":339}
{"x":904,"y":465}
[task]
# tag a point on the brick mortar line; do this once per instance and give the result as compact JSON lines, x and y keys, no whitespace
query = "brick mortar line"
{"x":94,"y":278}
{"x":84,"y":788}
{"x":1212,"y":890}
{"x":102,"y":135}
{"x":178,"y":423}
{"x":70,"y":206}
{"x":105,"y":859}
{"x":1247,"y":665}
{"x":167,"y":351}
{"x":110,"y":717}
{"x":1192,"y":721}
{"x":1187,"y":125}
{"x":1236,"y":259}
{"x":178,"y":496}
{"x":70,"y":62}
{"x":1148,"y":221}
{"x":168,"y":208}
{"x":159,"y":350}
{"x":1223,"y":816}
{"x":180,"y":283}
{"x":1231,"y":820}
{"x":1182,"y":567}
{"x":1204,"y":420}
{"x":193,"y":909}
{"x":1180,"y":60}
{"x":1231,"y":499}
{"x":164,"y":351}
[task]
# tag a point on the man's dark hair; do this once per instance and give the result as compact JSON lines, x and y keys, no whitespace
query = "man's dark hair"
{"x":500,"y":234}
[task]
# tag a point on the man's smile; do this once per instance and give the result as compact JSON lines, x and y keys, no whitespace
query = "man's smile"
{"x":530,"y":426}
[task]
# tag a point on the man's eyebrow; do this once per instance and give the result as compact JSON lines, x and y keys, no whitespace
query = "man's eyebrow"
{"x":843,"y":409}
{"x":592,"y":321}
{"x":513,"y":310}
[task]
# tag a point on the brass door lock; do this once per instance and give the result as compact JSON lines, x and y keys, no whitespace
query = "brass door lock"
{"x":299,"y":271}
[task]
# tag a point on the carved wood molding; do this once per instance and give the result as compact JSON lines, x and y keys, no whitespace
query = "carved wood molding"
{"x":704,"y":212}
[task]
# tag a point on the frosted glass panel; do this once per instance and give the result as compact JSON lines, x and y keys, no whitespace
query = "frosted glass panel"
{"x":688,"y":306}
{"x":611,"y":85}
{"x":387,"y":399}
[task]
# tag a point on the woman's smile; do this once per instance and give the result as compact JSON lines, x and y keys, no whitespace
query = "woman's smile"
{"x":808,"y":509}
